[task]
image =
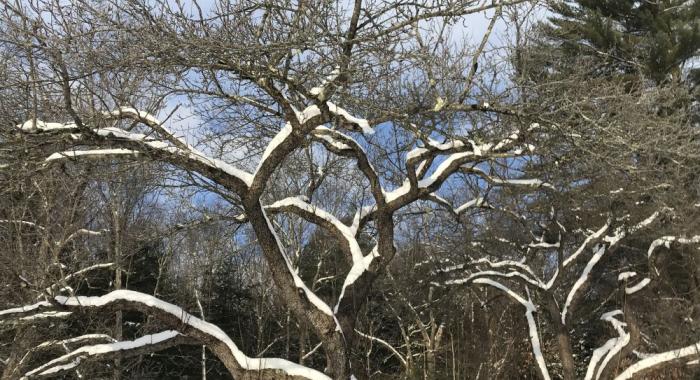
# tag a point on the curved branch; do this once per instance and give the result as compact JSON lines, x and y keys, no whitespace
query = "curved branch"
{"x":186,"y":324}
{"x":531,"y":323}
{"x":75,"y":358}
{"x":661,"y":360}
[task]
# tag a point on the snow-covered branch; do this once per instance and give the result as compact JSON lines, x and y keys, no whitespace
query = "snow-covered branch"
{"x":608,"y":243}
{"x":71,"y":360}
{"x":51,"y":289}
{"x":660,"y":360}
{"x":344,"y":145}
{"x":171,"y":149}
{"x":530,"y":310}
{"x":173,"y":316}
{"x":384,"y":343}
{"x":602,"y":355}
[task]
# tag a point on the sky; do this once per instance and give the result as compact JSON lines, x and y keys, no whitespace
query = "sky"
{"x":186,"y":123}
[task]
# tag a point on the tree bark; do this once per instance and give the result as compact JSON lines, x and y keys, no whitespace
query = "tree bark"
{"x":563,"y":340}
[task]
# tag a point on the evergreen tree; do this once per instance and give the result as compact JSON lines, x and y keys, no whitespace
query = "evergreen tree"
{"x":626,"y":37}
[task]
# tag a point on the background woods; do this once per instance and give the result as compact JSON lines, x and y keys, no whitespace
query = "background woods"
{"x":452,"y":189}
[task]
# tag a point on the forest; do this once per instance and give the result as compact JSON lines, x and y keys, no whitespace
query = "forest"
{"x":357,"y":189}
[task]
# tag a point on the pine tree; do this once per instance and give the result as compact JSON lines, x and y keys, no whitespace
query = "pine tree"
{"x":654,"y":38}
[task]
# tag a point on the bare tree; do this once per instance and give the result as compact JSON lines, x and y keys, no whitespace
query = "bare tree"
{"x":335,"y":120}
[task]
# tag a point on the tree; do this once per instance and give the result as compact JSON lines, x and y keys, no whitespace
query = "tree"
{"x":319,"y":121}
{"x":650,"y":38}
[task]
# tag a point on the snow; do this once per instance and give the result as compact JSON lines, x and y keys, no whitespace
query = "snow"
{"x":450,"y":144}
{"x":362,"y":123}
{"x":292,"y":369}
{"x":342,"y":228}
{"x":597,"y":355}
{"x":358,"y":268}
{"x":638,"y":287}
{"x":279,"y":138}
{"x":582,"y":280}
{"x":361,"y":213}
{"x":667,"y":240}
{"x":596,"y":235}
{"x":618,"y":343}
{"x":688,"y":352}
{"x":298,"y":282}
{"x":531,"y":322}
{"x":75,"y":356}
{"x":77,"y":339}
{"x":308,"y":113}
{"x":24,"y":309}
{"x":23,"y":222}
{"x":626,"y":276}
{"x":46,"y":314}
{"x":415,"y":153}
{"x":320,"y":91}
{"x":476,"y":202}
{"x":495,"y":274}
{"x":94,"y":152}
{"x":523,"y":182}
{"x":28,"y":126}
{"x":543,"y":245}
{"x":187,"y":151}
{"x":132,"y":112}
{"x":336,"y":144}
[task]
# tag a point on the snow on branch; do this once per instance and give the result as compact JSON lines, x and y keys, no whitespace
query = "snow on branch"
{"x":279,"y":138}
{"x":320,"y":216}
{"x":93,"y":153}
{"x":77,"y":339}
{"x":151,"y":121}
{"x":531,"y":323}
{"x":171,"y":146}
{"x":517,"y":270}
{"x":186,"y":323}
{"x":386,"y":344}
{"x":51,"y":289}
{"x":320,"y":91}
{"x":342,"y":144}
{"x":604,"y":354}
{"x":497,"y":181}
{"x":666,"y":241}
{"x":314,"y":214}
{"x":35,"y":126}
{"x":597,"y":255}
{"x":71,"y":360}
{"x":599,"y":251}
{"x":458,"y":153}
{"x":660,"y":360}
{"x":361,"y":124}
{"x":359,"y":267}
{"x":298,"y":282}
{"x":23,"y":310}
{"x":23,"y":223}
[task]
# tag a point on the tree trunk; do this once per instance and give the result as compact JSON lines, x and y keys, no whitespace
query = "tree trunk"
{"x":563,"y":340}
{"x":323,"y":325}
{"x":116,"y":259}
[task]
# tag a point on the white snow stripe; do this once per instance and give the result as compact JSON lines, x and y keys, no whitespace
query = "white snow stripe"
{"x":688,"y":352}
{"x":198,"y":324}
{"x":638,"y":287}
{"x":53,"y":366}
{"x":582,"y":280}
{"x":532,"y":324}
